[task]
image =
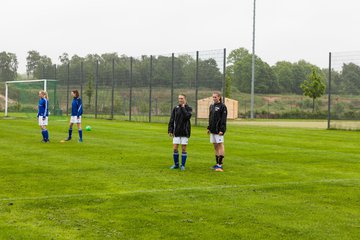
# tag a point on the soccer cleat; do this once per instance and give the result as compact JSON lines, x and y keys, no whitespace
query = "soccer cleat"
{"x":213,"y":167}
{"x":68,"y":139}
{"x":218,"y":168}
{"x":80,"y":141}
{"x":174,"y":167}
{"x":45,"y":141}
{"x":182,"y":168}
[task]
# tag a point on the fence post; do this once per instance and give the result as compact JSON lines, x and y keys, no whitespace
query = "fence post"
{"x":81,"y":78}
{"x":55,"y":70}
{"x":96,"y":86}
{"x":224,"y":76}
{"x":150,"y":86}
{"x":130,"y":100}
{"x":172,"y":81}
{"x":112,"y":88}
{"x":196,"y":86}
{"x":68,"y":89}
{"x":329,"y":93}
{"x":55,"y":89}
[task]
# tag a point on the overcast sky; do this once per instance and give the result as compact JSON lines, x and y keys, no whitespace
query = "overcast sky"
{"x":285,"y":29}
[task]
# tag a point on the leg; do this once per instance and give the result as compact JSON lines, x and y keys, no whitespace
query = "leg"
{"x":183,"y":156}
{"x":175,"y":156}
{"x":80,"y":131}
{"x":70,"y":132}
{"x":221,"y":152}
{"x":44,"y":133}
{"x":216,"y":153}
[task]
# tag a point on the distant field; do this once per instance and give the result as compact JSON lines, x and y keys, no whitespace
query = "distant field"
{"x":278,"y":183}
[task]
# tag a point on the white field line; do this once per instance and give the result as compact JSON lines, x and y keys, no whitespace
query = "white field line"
{"x":217,"y":187}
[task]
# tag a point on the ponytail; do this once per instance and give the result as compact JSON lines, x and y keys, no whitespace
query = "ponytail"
{"x":44,"y":94}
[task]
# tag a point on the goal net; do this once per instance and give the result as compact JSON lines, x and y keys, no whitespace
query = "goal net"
{"x":23,"y":96}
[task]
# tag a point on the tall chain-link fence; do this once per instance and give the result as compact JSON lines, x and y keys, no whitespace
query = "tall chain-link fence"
{"x":146,"y":88}
{"x":344,"y":90}
{"x":141,"y":88}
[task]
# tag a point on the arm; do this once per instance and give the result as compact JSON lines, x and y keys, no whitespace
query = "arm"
{"x":46,"y":103}
{"x":209,"y":123}
{"x":79,"y":109}
{"x":223,"y":119}
{"x":187,"y":111}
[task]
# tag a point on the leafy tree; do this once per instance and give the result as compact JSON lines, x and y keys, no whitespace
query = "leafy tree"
{"x":64,"y":58}
{"x":284,"y":75}
{"x":8,"y":66}
{"x":38,"y":66}
{"x":301,"y":70}
{"x":162,"y":71}
{"x":187,"y":67}
{"x":351,"y":78}
{"x":209,"y":74}
{"x":313,"y":87}
{"x":89,"y":92}
{"x":32,"y":62}
{"x":265,"y":79}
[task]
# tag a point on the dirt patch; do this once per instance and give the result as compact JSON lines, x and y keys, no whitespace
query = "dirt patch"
{"x":271,"y":99}
{"x":2,"y":101}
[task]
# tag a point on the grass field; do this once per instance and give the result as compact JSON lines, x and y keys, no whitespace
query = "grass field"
{"x":278,"y":183}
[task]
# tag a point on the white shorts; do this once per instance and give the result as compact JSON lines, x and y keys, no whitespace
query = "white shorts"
{"x":43,"y":122}
{"x":216,"y":138}
{"x":180,"y":140}
{"x":75,"y":119}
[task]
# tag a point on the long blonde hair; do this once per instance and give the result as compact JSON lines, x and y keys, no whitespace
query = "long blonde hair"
{"x":44,"y":94}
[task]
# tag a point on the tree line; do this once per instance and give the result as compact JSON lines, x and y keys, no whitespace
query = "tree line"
{"x":282,"y":78}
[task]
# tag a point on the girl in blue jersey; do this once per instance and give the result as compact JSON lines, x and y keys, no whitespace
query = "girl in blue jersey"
{"x":76,"y":113}
{"x":43,"y":113}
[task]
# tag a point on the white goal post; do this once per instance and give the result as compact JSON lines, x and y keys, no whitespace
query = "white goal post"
{"x":45,"y":82}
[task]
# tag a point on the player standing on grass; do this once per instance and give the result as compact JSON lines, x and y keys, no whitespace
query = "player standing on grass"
{"x":76,"y":113}
{"x":217,"y":128}
{"x":43,"y":113}
{"x":179,"y":128}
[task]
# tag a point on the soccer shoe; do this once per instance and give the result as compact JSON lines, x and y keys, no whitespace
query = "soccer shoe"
{"x":218,"y":168}
{"x":45,"y":141}
{"x":182,"y":168}
{"x":80,"y":141}
{"x":174,"y":167}
{"x":68,"y":139}
{"x":213,"y":167}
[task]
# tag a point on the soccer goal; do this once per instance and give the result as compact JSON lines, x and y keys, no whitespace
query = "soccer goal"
{"x":22,"y":96}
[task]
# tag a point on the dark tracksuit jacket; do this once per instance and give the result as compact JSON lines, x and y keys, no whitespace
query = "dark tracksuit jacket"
{"x":217,"y":118}
{"x":179,"y":124}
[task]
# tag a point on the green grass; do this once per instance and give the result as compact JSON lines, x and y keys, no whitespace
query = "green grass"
{"x":278,"y":183}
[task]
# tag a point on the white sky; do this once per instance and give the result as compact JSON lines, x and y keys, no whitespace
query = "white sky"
{"x":285,"y":29}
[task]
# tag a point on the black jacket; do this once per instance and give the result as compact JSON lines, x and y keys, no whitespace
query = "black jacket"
{"x":217,"y":118}
{"x":179,"y":124}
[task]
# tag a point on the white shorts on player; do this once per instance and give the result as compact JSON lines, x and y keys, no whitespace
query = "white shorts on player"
{"x":180,"y":140}
{"x":216,"y":138}
{"x":75,"y":119}
{"x":43,"y":121}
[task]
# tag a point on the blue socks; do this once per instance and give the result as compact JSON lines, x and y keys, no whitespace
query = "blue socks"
{"x":45,"y":134}
{"x":183,"y":158}
{"x":80,"y":134}
{"x":70,"y":133}
{"x":176,"y":158}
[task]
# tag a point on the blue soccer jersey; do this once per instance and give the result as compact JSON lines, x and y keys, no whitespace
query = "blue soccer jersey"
{"x":76,"y":107}
{"x":43,"y":109}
